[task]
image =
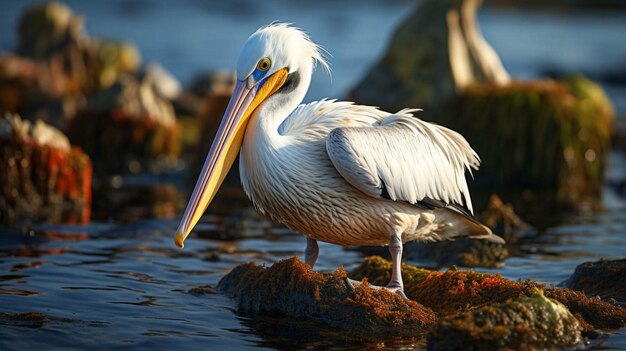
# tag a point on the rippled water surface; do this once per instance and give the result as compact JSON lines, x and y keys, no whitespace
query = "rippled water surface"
{"x":109,"y":285}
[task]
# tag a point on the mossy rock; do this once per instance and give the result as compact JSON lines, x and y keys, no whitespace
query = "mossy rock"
{"x":533,"y":322}
{"x":458,"y":291}
{"x":545,"y":135}
{"x":291,"y":288}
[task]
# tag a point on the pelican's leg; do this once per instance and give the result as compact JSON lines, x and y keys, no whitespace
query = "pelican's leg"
{"x":311,"y":252}
{"x":395,"y":284}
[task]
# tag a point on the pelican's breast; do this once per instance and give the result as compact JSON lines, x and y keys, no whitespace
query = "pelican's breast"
{"x":290,"y":177}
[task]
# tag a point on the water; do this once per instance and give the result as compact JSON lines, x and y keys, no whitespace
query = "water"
{"x":109,"y":285}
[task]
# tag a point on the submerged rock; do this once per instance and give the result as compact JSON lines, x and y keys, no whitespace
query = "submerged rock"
{"x":533,"y":322}
{"x":436,"y":52}
{"x":43,"y":179}
{"x":293,"y":289}
{"x":604,"y":278}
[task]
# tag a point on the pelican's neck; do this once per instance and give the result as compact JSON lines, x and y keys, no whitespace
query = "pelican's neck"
{"x":279,"y":106}
{"x":261,"y":144}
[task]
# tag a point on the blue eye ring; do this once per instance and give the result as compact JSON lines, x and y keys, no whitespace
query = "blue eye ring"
{"x":264,"y":64}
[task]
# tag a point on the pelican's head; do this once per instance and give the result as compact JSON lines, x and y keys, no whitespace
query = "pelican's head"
{"x":272,"y":58}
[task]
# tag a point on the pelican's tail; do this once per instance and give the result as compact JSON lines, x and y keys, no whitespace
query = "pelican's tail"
{"x":468,"y":227}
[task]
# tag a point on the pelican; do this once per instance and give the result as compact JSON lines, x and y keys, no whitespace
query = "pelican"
{"x":334,"y":171}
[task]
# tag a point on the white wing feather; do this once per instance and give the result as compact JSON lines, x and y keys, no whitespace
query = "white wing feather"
{"x":408,"y":158}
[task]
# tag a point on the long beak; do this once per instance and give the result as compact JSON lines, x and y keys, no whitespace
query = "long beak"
{"x":225,"y":147}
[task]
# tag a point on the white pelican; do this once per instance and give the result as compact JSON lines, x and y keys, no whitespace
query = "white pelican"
{"x":334,"y":171}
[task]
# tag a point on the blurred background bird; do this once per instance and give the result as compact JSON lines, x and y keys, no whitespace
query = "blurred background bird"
{"x":334,"y":171}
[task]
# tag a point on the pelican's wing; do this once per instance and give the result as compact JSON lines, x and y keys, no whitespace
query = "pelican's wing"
{"x":404,"y":158}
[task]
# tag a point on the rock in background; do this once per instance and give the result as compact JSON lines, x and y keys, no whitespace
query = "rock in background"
{"x":43,"y":178}
{"x":437,"y":52}
{"x":58,"y":66}
{"x":128,"y":127}
{"x":547,"y":136}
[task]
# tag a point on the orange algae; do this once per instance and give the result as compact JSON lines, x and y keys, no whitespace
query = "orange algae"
{"x":293,"y":289}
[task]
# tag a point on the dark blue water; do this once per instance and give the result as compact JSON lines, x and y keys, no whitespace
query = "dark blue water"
{"x":109,"y":285}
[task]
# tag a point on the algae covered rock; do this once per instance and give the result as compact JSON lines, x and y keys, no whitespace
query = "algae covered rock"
{"x":43,"y":179}
{"x":437,"y":51}
{"x":463,"y":252}
{"x":457,"y":291}
{"x":447,"y":292}
{"x":552,"y":137}
{"x":592,"y":313}
{"x":525,"y":323}
{"x":128,"y":127}
{"x":293,"y":289}
{"x":604,"y":278}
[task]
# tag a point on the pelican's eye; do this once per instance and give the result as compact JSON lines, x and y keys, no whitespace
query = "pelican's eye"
{"x":264,"y":64}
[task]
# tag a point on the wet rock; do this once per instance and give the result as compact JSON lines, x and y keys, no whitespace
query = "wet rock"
{"x":592,"y":313}
{"x":128,"y":128}
{"x":457,"y":291}
{"x":292,"y":289}
{"x":604,"y":278}
{"x":202,"y":290}
{"x":533,"y":322}
{"x":438,"y":51}
{"x":43,"y":179}
{"x":463,"y":252}
{"x":501,"y":217}
{"x":39,"y":320}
